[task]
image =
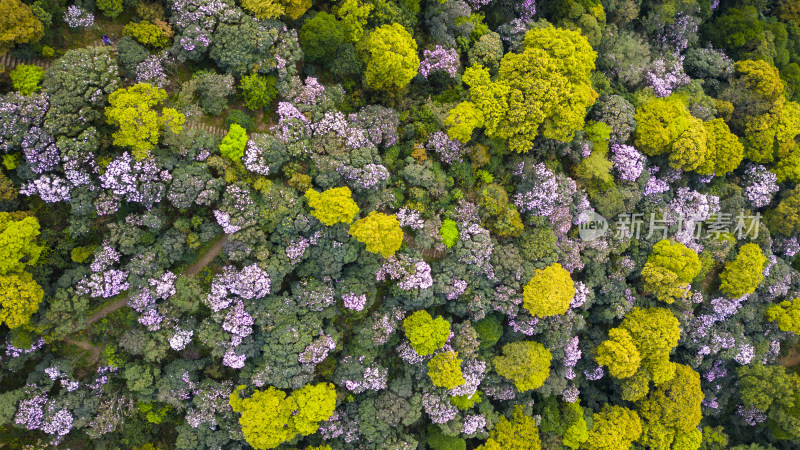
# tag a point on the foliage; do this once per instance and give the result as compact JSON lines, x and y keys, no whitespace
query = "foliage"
{"x":549,"y":292}
{"x":516,"y":434}
{"x":147,"y":34}
{"x":742,"y":275}
{"x":233,"y":144}
{"x":333,"y":206}
{"x":425,"y":333}
{"x":526,"y":363}
{"x":132,"y":110}
{"x":26,"y":78}
{"x":619,"y":353}
{"x":18,"y":24}
{"x":258,"y":90}
{"x":543,"y":90}
{"x":390,"y":54}
{"x":444,"y":369}
{"x":321,"y":36}
{"x":449,"y":232}
{"x":786,"y":314}
{"x":110,"y":8}
{"x":20,"y":296}
{"x":614,"y":427}
{"x":19,"y":248}
{"x":672,"y":409}
{"x":380,"y":232}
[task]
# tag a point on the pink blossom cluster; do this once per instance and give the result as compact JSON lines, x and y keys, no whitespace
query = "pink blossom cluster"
{"x":473,"y":371}
{"x":77,"y":17}
{"x":439,"y":59}
{"x":354,"y":302}
{"x":448,"y":150}
{"x":50,"y":188}
{"x":106,"y":284}
{"x":317,"y":350}
{"x":473,"y":423}
{"x":384,"y":325}
{"x":180,"y":339}
{"x":410,"y":218}
{"x":413,"y":274}
{"x":378,"y":122}
{"x":628,"y":162}
{"x":760,"y":185}
{"x":666,"y":76}
{"x":438,"y":407}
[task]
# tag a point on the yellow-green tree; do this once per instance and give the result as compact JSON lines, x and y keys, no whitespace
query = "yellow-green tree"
{"x":786,"y":314}
{"x":619,"y":353}
{"x":332,"y":206}
{"x":18,"y":25}
{"x":354,"y":15}
{"x":519,"y":433}
{"x":663,"y":283}
{"x":234,"y":143}
{"x":270,"y":418}
{"x":677,"y":258}
{"x":655,"y":332}
{"x":549,"y":292}
{"x":390,"y":54}
{"x":425,"y":333}
{"x":133,"y":111}
{"x":444,"y":369}
{"x":613,"y":428}
{"x":270,"y":9}
{"x":20,"y":296}
{"x":743,"y":274}
{"x":673,"y":408}
{"x":724,"y":152}
{"x":18,"y":246}
{"x":526,"y":363}
{"x":544,"y":90}
{"x":380,"y":232}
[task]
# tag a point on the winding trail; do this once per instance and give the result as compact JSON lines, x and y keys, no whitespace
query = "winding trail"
{"x":191,"y":270}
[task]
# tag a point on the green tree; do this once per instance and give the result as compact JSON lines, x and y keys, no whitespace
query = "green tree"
{"x":785,"y":218}
{"x":724,"y":151}
{"x":147,"y":34}
{"x":519,"y":433}
{"x":526,"y":363}
{"x":677,"y":258}
{"x":321,"y":37}
{"x":333,"y":206}
{"x":354,"y":15}
{"x":18,"y":25}
{"x":380,"y":232}
{"x":613,"y":428}
{"x":444,"y":369}
{"x":425,"y":333}
{"x":449,"y":232}
{"x":20,"y":296}
{"x":544,"y":90}
{"x":619,"y":353}
{"x":743,"y":274}
{"x":549,"y":292}
{"x":110,"y":8}
{"x":133,"y":111}
{"x":269,"y":418}
{"x":673,"y":408}
{"x":233,"y":144}
{"x":258,"y":90}
{"x":390,"y":54}
{"x":26,"y":78}
{"x":762,"y":386}
{"x":786,"y":314}
{"x":18,"y":247}
{"x":655,"y":332}
{"x":264,"y":9}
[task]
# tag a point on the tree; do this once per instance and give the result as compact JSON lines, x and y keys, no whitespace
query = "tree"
{"x":785,"y":218}
{"x":425,"y":333}
{"x":613,"y":428}
{"x":655,"y":332}
{"x":269,"y":418}
{"x":18,"y":247}
{"x":724,"y":152}
{"x":321,"y":37}
{"x":762,"y":386}
{"x":449,"y":232}
{"x":526,"y":363}
{"x":544,"y":90}
{"x":786,"y":314}
{"x":264,"y":9}
{"x":258,"y":90}
{"x":26,"y":78}
{"x":672,"y":408}
{"x":743,"y":274}
{"x":676,"y":258}
{"x":380,"y":232}
{"x":20,"y":296}
{"x":233,"y":144}
{"x":390,"y":54}
{"x":332,"y":206}
{"x":147,"y":34}
{"x":519,"y":433}
{"x":353,"y":14}
{"x":444,"y":369}
{"x":132,"y":110}
{"x":619,"y":353}
{"x":549,"y":292}
{"x":18,"y":25}
{"x":110,"y":8}
{"x":663,"y":283}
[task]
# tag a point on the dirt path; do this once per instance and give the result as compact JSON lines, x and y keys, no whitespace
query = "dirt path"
{"x":94,"y":351}
{"x":792,"y":359}
{"x":193,"y":269}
